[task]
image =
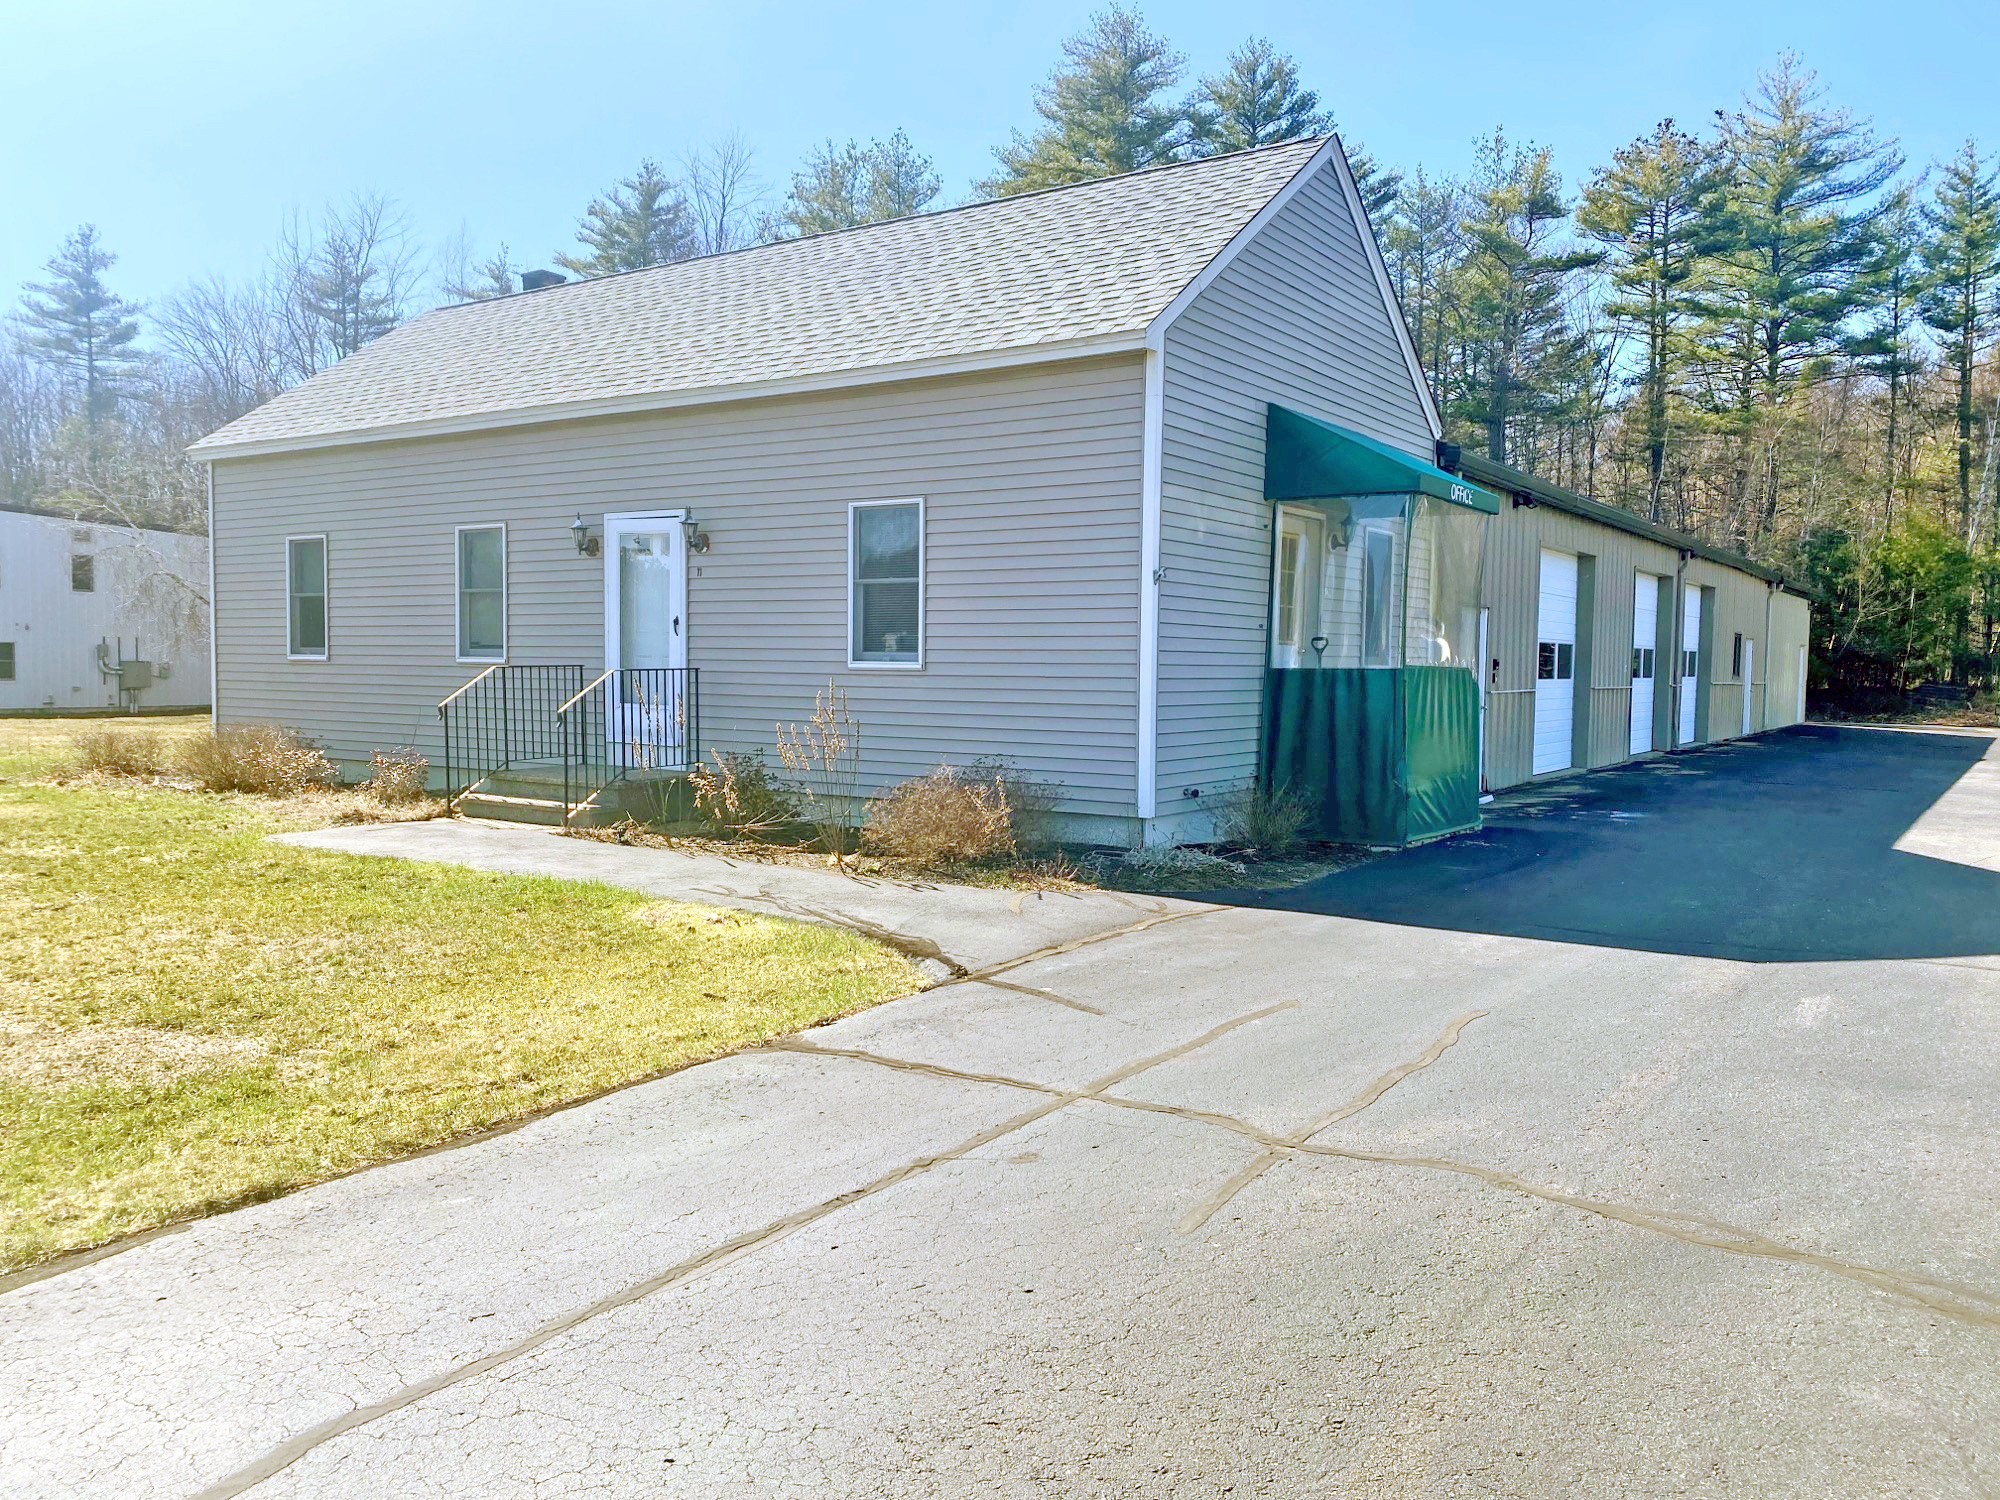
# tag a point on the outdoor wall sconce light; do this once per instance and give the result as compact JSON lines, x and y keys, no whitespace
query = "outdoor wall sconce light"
{"x":697,"y":539}
{"x":586,"y":544}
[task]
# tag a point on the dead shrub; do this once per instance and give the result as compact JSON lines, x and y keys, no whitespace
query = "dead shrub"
{"x":397,"y":776}
{"x":270,"y":759}
{"x":1269,"y":822}
{"x":118,"y":752}
{"x":739,"y":795}
{"x":1031,"y":804}
{"x":944,"y":818}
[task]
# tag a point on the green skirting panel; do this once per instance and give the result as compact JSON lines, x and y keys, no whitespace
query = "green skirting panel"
{"x":1440,"y":751}
{"x":1387,"y":756}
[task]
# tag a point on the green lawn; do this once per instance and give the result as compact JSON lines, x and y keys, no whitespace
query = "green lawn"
{"x":192,"y":1017}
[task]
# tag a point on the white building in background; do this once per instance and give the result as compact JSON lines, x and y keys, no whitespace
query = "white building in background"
{"x":95,"y":616}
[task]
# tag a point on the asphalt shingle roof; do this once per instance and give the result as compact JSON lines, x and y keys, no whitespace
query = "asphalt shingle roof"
{"x":1074,"y":264}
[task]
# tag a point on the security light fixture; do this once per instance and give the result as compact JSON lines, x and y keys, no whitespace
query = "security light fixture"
{"x":586,"y":544}
{"x":697,"y":539}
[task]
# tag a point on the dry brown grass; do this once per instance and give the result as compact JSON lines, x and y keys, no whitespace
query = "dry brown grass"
{"x":269,"y":759}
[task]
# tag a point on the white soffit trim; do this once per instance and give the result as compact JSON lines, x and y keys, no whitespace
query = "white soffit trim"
{"x":1390,"y":303}
{"x":1034,"y":354}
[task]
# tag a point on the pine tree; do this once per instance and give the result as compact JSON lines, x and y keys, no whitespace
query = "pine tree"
{"x":1793,"y":222}
{"x":1962,"y":256}
{"x":1378,"y":187}
{"x":77,"y":324}
{"x":1103,"y":110}
{"x":1256,"y":100}
{"x":1518,"y":342}
{"x":1791,"y":231}
{"x":1422,"y":241}
{"x":1895,"y":278}
{"x":643,"y":221}
{"x":844,"y":186}
{"x":1649,"y":208}
{"x":496,"y":276}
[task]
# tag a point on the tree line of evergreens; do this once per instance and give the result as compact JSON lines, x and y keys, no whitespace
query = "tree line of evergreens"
{"x":1768,"y":330}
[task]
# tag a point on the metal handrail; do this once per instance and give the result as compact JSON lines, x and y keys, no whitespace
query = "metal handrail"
{"x":446,"y":703}
{"x":499,"y":717}
{"x":579,"y":697}
{"x":584,"y":728}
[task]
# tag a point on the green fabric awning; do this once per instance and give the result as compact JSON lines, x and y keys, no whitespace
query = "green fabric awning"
{"x":1307,"y":459}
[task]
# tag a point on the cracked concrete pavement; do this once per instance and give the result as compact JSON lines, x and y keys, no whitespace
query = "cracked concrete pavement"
{"x":1283,"y":1203}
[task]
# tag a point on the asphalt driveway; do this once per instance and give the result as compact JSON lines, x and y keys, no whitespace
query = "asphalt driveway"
{"x":1485,"y":1170}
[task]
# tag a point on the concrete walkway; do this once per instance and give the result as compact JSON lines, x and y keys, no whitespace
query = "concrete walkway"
{"x":1236,"y":1202}
{"x":954,"y":929}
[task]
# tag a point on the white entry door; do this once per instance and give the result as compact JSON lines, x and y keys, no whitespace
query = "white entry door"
{"x":645,"y":635}
{"x":1645,"y":647}
{"x":1555,"y":663}
{"x":1749,"y":680}
{"x":1295,"y":592}
{"x":1690,"y":662}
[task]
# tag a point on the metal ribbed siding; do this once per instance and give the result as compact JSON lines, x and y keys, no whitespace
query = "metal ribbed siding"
{"x":1514,"y":544}
{"x":1032,"y":483}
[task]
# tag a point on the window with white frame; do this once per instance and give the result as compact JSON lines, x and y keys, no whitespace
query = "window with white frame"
{"x":886,"y":583}
{"x":482,"y":593}
{"x":82,"y":573}
{"x":305,"y":597}
{"x":6,"y":661}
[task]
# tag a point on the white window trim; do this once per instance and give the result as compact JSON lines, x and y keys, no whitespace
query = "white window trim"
{"x":326,"y":595}
{"x":852,"y":562}
{"x":458,"y":592}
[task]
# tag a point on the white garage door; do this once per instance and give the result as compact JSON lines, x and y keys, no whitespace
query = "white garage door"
{"x":1645,"y":646}
{"x":1555,"y":662}
{"x":1690,"y":659}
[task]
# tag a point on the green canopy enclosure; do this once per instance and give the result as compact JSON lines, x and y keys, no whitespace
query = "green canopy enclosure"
{"x":1371,"y":699}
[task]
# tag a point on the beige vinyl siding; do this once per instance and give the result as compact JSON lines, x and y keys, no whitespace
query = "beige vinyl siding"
{"x":1297,"y":318}
{"x":1735,"y":602}
{"x":1031,"y":483}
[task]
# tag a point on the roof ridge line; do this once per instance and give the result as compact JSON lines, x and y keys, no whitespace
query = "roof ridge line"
{"x":1316,"y":141}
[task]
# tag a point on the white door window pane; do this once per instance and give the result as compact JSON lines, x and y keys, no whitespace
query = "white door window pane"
{"x":482,"y":593}
{"x":887,"y":582}
{"x":646,"y":624}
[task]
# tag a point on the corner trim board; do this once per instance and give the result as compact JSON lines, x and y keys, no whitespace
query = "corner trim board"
{"x":1152,"y":442}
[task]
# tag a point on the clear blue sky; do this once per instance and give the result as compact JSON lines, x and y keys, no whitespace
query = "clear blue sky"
{"x":203,"y":121}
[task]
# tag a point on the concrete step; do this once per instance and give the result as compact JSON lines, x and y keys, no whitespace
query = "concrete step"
{"x":547,"y":811}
